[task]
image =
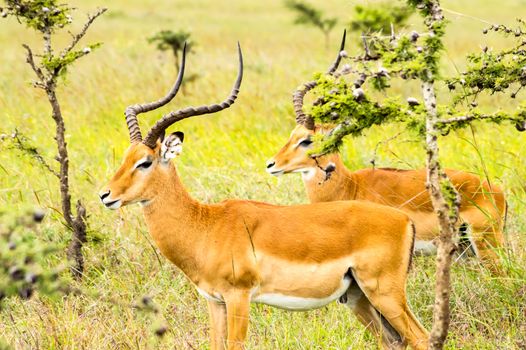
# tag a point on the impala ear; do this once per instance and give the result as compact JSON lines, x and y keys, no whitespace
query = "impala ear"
{"x":171,"y":146}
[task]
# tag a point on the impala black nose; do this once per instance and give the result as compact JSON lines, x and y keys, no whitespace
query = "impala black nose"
{"x":104,"y":195}
{"x":270,"y":164}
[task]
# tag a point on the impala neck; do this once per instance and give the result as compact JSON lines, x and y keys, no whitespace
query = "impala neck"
{"x":176,"y":222}
{"x":340,"y":186}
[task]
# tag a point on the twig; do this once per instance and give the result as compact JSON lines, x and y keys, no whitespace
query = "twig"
{"x":78,"y":36}
{"x":33,"y":152}
{"x":31,"y":62}
{"x":386,"y":141}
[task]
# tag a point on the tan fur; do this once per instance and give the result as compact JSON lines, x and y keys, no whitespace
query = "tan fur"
{"x":238,"y":250}
{"x":482,"y":206}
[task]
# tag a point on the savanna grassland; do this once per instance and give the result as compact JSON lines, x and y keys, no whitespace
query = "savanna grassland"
{"x":224,"y":157}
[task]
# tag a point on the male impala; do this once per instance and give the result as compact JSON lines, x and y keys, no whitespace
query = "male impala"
{"x":237,"y":252}
{"x":482,"y":208}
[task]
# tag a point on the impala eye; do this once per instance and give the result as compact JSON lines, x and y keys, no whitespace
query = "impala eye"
{"x":144,"y":165}
{"x":305,"y":143}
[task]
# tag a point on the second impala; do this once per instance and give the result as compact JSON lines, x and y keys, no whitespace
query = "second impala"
{"x":482,"y":207}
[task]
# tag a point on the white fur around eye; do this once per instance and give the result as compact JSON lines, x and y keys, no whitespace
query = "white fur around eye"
{"x":140,"y":161}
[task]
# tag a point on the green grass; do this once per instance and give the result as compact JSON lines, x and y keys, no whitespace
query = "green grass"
{"x":224,"y":157}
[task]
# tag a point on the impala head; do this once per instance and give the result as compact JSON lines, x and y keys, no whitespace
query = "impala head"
{"x":146,"y":161}
{"x":294,"y":155}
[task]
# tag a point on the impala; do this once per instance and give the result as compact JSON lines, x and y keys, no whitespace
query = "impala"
{"x":482,"y":209}
{"x":293,"y":257}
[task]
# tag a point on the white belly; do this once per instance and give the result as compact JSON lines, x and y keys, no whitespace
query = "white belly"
{"x":425,"y":248}
{"x":216,"y":297}
{"x":295,"y":303}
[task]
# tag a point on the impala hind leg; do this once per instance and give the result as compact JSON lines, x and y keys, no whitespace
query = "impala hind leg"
{"x":218,"y":332}
{"x":387,"y":336}
{"x":237,"y":313}
{"x":386,"y":293}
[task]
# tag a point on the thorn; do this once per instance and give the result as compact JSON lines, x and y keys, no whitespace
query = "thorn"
{"x":38,"y":215}
{"x":412,"y":101}
{"x":358,"y":94}
{"x":346,"y":69}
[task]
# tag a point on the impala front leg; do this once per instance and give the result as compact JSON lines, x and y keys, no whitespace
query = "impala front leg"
{"x":217,"y":312}
{"x":237,"y":311}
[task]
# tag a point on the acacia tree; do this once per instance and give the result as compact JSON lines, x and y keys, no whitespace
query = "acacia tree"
{"x":309,"y":15}
{"x":46,"y":17}
{"x":379,"y":17}
{"x":342,"y":101}
{"x":177,"y":42}
{"x":174,"y":41}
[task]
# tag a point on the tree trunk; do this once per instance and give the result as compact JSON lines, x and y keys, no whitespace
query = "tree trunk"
{"x":447,"y":214}
{"x":76,"y":224}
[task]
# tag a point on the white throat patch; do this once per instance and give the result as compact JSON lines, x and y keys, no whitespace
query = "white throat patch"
{"x":306,"y":173}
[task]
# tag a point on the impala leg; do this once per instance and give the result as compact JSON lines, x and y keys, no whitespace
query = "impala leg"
{"x":218,"y":332}
{"x":387,"y":336}
{"x":237,"y":313}
{"x":486,"y":236}
{"x":485,"y":241}
{"x":387,"y":294}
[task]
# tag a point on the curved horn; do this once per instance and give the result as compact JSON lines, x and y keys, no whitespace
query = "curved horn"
{"x":133,"y":110}
{"x":297,"y":100}
{"x":299,"y":94}
{"x":175,"y":116}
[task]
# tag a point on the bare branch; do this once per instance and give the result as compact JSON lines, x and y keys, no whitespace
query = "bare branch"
{"x":465,"y":118}
{"x":461,"y":119}
{"x":384,"y":142}
{"x":30,"y":60}
{"x":451,"y":123}
{"x":21,"y":144}
{"x":80,"y":35}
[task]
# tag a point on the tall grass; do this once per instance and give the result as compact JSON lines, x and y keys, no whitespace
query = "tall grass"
{"x":224,"y":157}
